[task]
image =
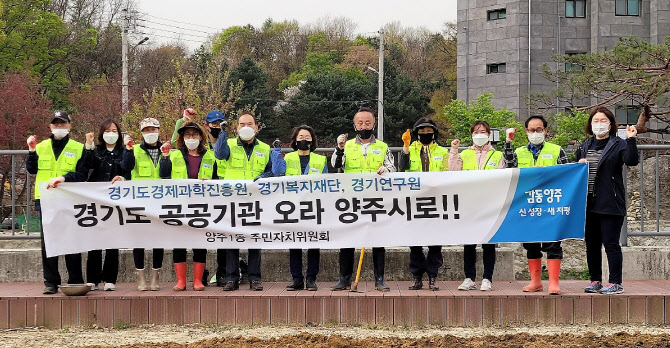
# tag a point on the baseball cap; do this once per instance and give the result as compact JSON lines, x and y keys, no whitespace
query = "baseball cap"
{"x":149,"y":122}
{"x":215,"y":115}
{"x":60,"y":116}
{"x":187,"y":126}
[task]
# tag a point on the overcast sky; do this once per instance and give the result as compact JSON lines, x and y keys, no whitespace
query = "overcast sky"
{"x":192,"y":20}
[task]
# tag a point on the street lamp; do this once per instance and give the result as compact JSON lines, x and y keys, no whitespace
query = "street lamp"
{"x":124,"y":78}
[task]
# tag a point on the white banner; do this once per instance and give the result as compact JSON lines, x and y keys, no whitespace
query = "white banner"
{"x":318,"y":211}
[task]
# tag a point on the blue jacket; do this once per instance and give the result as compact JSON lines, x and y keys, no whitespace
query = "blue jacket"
{"x":609,"y":192}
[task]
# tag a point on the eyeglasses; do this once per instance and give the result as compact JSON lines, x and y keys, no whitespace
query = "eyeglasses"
{"x":535,"y":130}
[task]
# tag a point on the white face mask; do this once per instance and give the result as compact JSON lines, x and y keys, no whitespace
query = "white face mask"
{"x":150,"y":138}
{"x":480,"y":139}
{"x":246,"y":133}
{"x":191,"y":144}
{"x":600,"y":129}
{"x":60,"y":133}
{"x":110,"y":137}
{"x":536,"y":138}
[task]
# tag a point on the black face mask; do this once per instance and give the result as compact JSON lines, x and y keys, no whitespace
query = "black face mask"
{"x":426,"y":139}
{"x":364,"y":133}
{"x":215,"y":132}
{"x":304,"y":145}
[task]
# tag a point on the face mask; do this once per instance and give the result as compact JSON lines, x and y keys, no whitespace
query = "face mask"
{"x":150,"y":138}
{"x":364,"y":133}
{"x":191,"y":144}
{"x":535,"y":138}
{"x":426,"y":139}
{"x":215,"y":132}
{"x":600,"y":129}
{"x":60,"y":133}
{"x":110,"y":137}
{"x":480,"y":139}
{"x":246,"y":133}
{"x":304,"y":145}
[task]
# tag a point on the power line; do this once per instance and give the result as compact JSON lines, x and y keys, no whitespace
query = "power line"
{"x":174,"y":26}
{"x":171,"y":31}
{"x":173,"y":38}
{"x":176,"y":21}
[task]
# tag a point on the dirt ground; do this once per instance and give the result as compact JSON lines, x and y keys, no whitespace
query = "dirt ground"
{"x":210,"y":336}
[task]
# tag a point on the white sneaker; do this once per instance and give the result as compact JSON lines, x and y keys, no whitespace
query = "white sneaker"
{"x":467,"y":284}
{"x":110,"y":287}
{"x":486,"y":285}
{"x":93,"y":286}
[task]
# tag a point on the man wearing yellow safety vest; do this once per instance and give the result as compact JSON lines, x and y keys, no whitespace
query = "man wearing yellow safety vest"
{"x":191,"y":160}
{"x":246,"y":158}
{"x":142,"y":161}
{"x":303,"y":161}
{"x":480,"y":156}
{"x":538,"y":153}
{"x":424,"y":155}
{"x":365,"y":154}
{"x":56,"y":160}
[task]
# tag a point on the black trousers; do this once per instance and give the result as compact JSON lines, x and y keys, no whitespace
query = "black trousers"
{"x":199,"y":255}
{"x":157,"y":256}
{"x":554,"y":250}
{"x":347,"y":262}
{"x":603,"y":230}
{"x":50,"y":264}
{"x":420,"y":264}
{"x":470,"y":260}
{"x":295,"y":263}
{"x":233,"y":265}
{"x":97,"y":272}
{"x":220,"y":265}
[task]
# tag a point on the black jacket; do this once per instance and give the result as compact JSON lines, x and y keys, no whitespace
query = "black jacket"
{"x":105,"y":165}
{"x":609,"y":192}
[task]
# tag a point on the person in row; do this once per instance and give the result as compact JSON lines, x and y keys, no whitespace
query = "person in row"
{"x":303,"y":161}
{"x":246,"y":158}
{"x":104,"y":162}
{"x":364,"y":154}
{"x":538,"y":153}
{"x":480,"y":156}
{"x":191,"y":160}
{"x":55,"y":160}
{"x":423,"y":155}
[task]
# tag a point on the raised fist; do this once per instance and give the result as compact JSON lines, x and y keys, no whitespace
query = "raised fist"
{"x":341,"y":140}
{"x":32,"y":142}
{"x":455,"y":143}
{"x":53,"y":183}
{"x":128,"y":140}
{"x":89,"y":137}
{"x":406,"y":138}
{"x":165,"y":148}
{"x":188,"y":114}
{"x":509,"y":134}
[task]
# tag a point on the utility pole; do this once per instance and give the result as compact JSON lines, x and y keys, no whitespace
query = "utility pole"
{"x":124,"y":63}
{"x":380,"y":88}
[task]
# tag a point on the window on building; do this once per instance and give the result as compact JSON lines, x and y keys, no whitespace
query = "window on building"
{"x":627,"y":7}
{"x":575,"y":8}
{"x":626,"y":115}
{"x":573,"y":67}
{"x":497,"y":14}
{"x":496,"y":68}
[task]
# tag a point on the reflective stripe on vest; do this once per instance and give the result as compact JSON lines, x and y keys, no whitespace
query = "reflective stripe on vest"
{"x":49,"y":167}
{"x":239,"y":167}
{"x":179,"y":170}
{"x":437,"y":156}
{"x":469,"y":159}
{"x":355,"y":162}
{"x":547,"y":157}
{"x":316,"y":163}
{"x":144,"y":166}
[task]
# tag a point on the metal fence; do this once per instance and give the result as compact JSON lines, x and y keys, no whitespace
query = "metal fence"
{"x":17,"y":163}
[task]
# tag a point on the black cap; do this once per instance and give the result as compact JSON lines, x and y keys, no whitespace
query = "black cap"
{"x":60,"y":116}
{"x":189,"y":125}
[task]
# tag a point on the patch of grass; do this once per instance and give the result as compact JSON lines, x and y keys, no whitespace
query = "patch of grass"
{"x":122,"y":325}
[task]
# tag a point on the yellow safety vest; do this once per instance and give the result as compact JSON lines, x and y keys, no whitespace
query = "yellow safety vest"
{"x":355,"y":162}
{"x":547,"y":157}
{"x":316,"y":163}
{"x":241,"y":167}
{"x":144,"y":166}
{"x":179,"y":165}
{"x":49,"y":167}
{"x":469,"y":159}
{"x":437,"y":156}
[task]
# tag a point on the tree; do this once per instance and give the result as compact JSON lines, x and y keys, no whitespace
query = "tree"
{"x":461,"y":116}
{"x":255,"y":93}
{"x":634,"y":71}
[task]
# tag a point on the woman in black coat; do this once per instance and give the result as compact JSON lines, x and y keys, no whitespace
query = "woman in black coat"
{"x":606,"y":154}
{"x":105,"y":161}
